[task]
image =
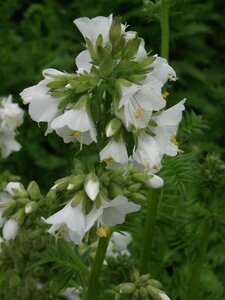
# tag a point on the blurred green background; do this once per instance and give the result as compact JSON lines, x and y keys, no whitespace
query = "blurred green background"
{"x":39,"y":34}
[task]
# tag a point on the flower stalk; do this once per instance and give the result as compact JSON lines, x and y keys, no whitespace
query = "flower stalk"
{"x":152,"y":206}
{"x":192,"y":292}
{"x":164,"y":22}
{"x":92,"y":288}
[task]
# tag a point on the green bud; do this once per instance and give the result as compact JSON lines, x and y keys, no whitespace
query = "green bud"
{"x":136,"y":78}
{"x":30,"y":207}
{"x":7,"y":204}
{"x":79,"y":167}
{"x":23,"y":201}
{"x":127,"y":288}
{"x":91,"y":49}
{"x":76,"y":182}
{"x":135,"y":187}
{"x":51,"y":196}
{"x":34,"y":191}
{"x":113,"y":127}
{"x":35,"y":234}
{"x":131,"y":48}
{"x":20,"y":193}
{"x":19,"y":216}
{"x":143,"y":292}
{"x":140,"y":177}
{"x":115,"y":190}
{"x":9,"y":209}
{"x":138,"y":197}
{"x":61,"y":184}
{"x":80,"y":196}
{"x":153,"y":292}
{"x":154,"y":283}
{"x":105,"y":179}
{"x":126,"y":192}
{"x":144,"y":278}
{"x":115,"y":30}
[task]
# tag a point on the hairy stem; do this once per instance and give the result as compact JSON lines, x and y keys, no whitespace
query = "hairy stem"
{"x":192,"y":292}
{"x":92,"y":289}
{"x":152,"y":207}
{"x":164,"y":22}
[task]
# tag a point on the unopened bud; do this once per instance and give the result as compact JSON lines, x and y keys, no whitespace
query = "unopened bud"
{"x":30,"y":207}
{"x":127,"y":288}
{"x":61,"y":184}
{"x":76,"y":182}
{"x":153,"y":292}
{"x":115,"y":190}
{"x":35,"y":234}
{"x":91,"y":186}
{"x":79,"y":196}
{"x":113,"y":127}
{"x":143,"y":292}
{"x":115,"y":30}
{"x":134,"y":187}
{"x":131,"y":48}
{"x":155,"y":182}
{"x":10,"y":229}
{"x":154,"y":283}
{"x":16,"y":189}
{"x":34,"y":191}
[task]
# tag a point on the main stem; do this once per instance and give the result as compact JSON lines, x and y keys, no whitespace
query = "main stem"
{"x":152,"y":207}
{"x":192,"y":293}
{"x":164,"y":22}
{"x":92,"y":289}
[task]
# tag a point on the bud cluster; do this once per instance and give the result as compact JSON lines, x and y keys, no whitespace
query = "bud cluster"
{"x":16,"y":205}
{"x":142,"y":287}
{"x":11,"y":117}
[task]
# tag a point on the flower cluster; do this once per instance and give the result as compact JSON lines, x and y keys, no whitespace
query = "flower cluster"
{"x":115,"y":99}
{"x":92,"y":199}
{"x":11,"y":117}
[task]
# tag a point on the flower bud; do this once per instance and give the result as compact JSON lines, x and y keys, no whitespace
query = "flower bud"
{"x":127,"y":288}
{"x":138,"y":197}
{"x":34,"y":191}
{"x":115,"y":190}
{"x":134,"y":187}
{"x":143,"y":292}
{"x":113,"y":127}
{"x":154,"y":293}
{"x":61,"y":184}
{"x":16,"y":189}
{"x":30,"y":207}
{"x":91,"y":186}
{"x":131,"y":48}
{"x":10,"y":229}
{"x":155,"y":182}
{"x":154,"y":283}
{"x":51,"y":196}
{"x":35,"y":234}
{"x":76,"y":182}
{"x":79,"y":196}
{"x":115,"y":30}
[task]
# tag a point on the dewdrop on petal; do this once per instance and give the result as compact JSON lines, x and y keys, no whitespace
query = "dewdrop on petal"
{"x":10,"y":229}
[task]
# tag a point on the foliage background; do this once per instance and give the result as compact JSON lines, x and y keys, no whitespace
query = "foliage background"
{"x":39,"y":34}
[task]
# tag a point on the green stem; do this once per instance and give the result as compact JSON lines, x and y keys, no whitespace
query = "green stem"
{"x":164,"y":22}
{"x":192,"y":293}
{"x":92,"y":289}
{"x":152,"y":207}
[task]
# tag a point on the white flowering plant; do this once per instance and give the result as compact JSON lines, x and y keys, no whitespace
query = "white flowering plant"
{"x":113,"y":109}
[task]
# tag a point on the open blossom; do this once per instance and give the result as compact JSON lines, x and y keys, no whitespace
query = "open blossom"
{"x":118,"y":244}
{"x":137,"y":104}
{"x":114,"y":153}
{"x":75,"y":124}
{"x":42,"y":106}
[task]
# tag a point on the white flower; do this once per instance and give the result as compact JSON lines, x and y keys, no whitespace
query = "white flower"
{"x":11,"y":115}
{"x":114,"y":153}
{"x":10,"y":229}
{"x":137,"y":105}
{"x":75,"y":124}
{"x":92,"y":28}
{"x":13,"y":185}
{"x":72,"y":294}
{"x":83,"y":62}
{"x":113,"y":212}
{"x":166,"y":129}
{"x":147,"y":154}
{"x":118,"y":244}
{"x":8,"y":144}
{"x":42,"y":106}
{"x":162,"y":71}
{"x":91,"y":186}
{"x":71,"y":222}
{"x":155,"y":182}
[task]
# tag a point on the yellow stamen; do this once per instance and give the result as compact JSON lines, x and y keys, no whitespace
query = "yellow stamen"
{"x":109,"y":160}
{"x":76,"y":132}
{"x":165,"y":95}
{"x":103,"y":231}
{"x":174,"y":140}
{"x":139,"y":113}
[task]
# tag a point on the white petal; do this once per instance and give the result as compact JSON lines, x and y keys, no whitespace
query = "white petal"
{"x":156,"y":182}
{"x":10,"y":229}
{"x":83,"y":61}
{"x":92,"y":189}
